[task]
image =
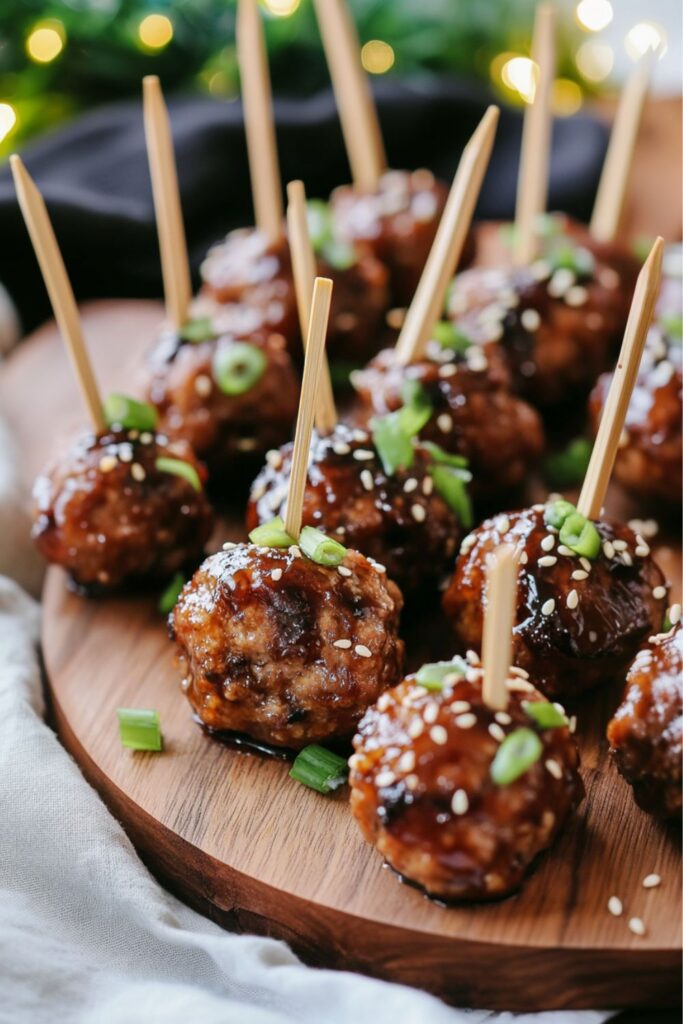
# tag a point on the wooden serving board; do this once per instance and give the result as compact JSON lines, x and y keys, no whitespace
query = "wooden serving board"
{"x":231,"y":834}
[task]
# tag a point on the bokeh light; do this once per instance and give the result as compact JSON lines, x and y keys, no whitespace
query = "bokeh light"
{"x":645,"y":36}
{"x":566,"y":98}
{"x":45,"y":41}
{"x":8,"y":119}
{"x":594,"y":60}
{"x":281,"y":8}
{"x":377,"y":56}
{"x":520,"y":75}
{"x":155,"y":31}
{"x":594,"y":15}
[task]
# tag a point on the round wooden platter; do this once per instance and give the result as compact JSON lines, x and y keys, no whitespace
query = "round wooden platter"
{"x":231,"y":834}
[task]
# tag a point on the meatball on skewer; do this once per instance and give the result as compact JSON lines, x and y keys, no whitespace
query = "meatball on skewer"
{"x":589,"y":591}
{"x":290,"y":638}
{"x":463,"y":773}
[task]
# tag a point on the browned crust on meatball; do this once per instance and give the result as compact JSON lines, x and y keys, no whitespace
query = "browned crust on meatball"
{"x":256,"y":630}
{"x":646,"y":733}
{"x":415,"y":749}
{"x":107,"y":515}
{"x":565,"y":650}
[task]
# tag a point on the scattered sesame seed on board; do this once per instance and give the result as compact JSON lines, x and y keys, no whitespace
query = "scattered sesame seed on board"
{"x":651,"y":881}
{"x":637,"y":926}
{"x":615,"y":906}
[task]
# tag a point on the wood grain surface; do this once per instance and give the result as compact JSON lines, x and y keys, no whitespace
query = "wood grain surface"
{"x":235,"y":837}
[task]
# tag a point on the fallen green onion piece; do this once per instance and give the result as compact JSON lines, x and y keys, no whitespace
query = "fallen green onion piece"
{"x":433,"y":675}
{"x":452,"y":486}
{"x":440,"y":455}
{"x":518,"y":751}
{"x":450,"y":336}
{"x":568,"y":467}
{"x":237,"y":367}
{"x":320,"y":769}
{"x":543,"y":714}
{"x":198,"y":330}
{"x":672,"y":325}
{"x":179,"y":468}
{"x":320,"y":548}
{"x":339,"y":254}
{"x":569,"y":257}
{"x":271,"y":535}
{"x":319,"y":222}
{"x":557,"y":511}
{"x":169,"y":597}
{"x":580,"y":534}
{"x":139,"y":729}
{"x":129,"y":413}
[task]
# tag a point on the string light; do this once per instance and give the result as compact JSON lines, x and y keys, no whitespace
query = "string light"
{"x":377,"y":56}
{"x":646,"y":35}
{"x":45,"y":41}
{"x":594,"y":60}
{"x":594,"y":15}
{"x":566,"y":98}
{"x":282,"y":8}
{"x":520,"y":74}
{"x":8,"y":119}
{"x":155,"y":31}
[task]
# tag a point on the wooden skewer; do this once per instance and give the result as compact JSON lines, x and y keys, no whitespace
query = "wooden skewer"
{"x":259,"y":123}
{"x":58,"y":286}
{"x":430,"y":295}
{"x":501,"y":599}
{"x":614,"y":413}
{"x":303,"y":266}
{"x":357,"y":112}
{"x":315,"y":348}
{"x":609,"y":200}
{"x":532,"y":183}
{"x":175,"y":264}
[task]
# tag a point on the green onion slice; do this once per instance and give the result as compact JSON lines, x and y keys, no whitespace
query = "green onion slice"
{"x":452,"y":486}
{"x":169,"y":597}
{"x":570,"y":257}
{"x":557,"y":511}
{"x":393,"y":443}
{"x":198,"y":330}
{"x":139,"y":729}
{"x":579,"y":534}
{"x":433,"y":676}
{"x":129,"y":413}
{"x":518,"y":751}
{"x":179,"y":468}
{"x":450,"y":336}
{"x":672,"y":325}
{"x":440,"y":455}
{"x":339,"y":254}
{"x":237,"y":367}
{"x":320,"y":548}
{"x":641,"y":246}
{"x":543,"y":714}
{"x":568,"y":467}
{"x":271,"y":535}
{"x":319,"y":223}
{"x":546,"y":225}
{"x":320,"y":769}
{"x":414,"y":395}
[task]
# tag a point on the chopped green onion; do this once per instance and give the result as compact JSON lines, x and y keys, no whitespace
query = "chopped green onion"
{"x":570,"y":257}
{"x":198,"y":330}
{"x":451,"y":485}
{"x":433,"y":676}
{"x":339,"y":254}
{"x":672,"y":325}
{"x":580,"y":534}
{"x":237,"y":367}
{"x":667,"y":623}
{"x":440,"y":455}
{"x":557,"y":511}
{"x":340,"y":373}
{"x":641,"y":246}
{"x":129,"y":413}
{"x":413,"y":394}
{"x":169,"y":597}
{"x":319,"y":222}
{"x":543,"y":714}
{"x":271,"y":535}
{"x":392,"y":442}
{"x":546,"y":225}
{"x":568,"y":467}
{"x":518,"y":751}
{"x":320,"y":769}
{"x":450,"y":336}
{"x":179,"y":468}
{"x":320,"y":548}
{"x":139,"y":729}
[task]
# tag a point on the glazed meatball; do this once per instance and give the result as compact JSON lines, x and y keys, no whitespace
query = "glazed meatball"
{"x":475,"y":414}
{"x":229,"y":430}
{"x":579,"y":620}
{"x":111,"y":514}
{"x":646,"y":733}
{"x":398,"y":519}
{"x":396,"y":223}
{"x":428,"y":786}
{"x":282,"y":649}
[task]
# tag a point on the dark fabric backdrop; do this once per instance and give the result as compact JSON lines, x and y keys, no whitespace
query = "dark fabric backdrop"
{"x":95,"y":178}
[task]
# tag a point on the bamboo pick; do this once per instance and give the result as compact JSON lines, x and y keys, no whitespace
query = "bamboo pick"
{"x":609,"y":200}
{"x":175,"y":264}
{"x":303,"y":265}
{"x":430,"y":295}
{"x":357,"y":111}
{"x":315,"y":348}
{"x":496,"y":652}
{"x":259,"y":124}
{"x":532,"y":183}
{"x":612,"y":423}
{"x":58,"y":286}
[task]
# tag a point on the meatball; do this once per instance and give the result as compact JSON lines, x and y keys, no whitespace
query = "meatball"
{"x":475,"y":414}
{"x":428,"y":787}
{"x":398,"y":519}
{"x":579,"y":620}
{"x":283,"y":649}
{"x":112,"y":514}
{"x":646,"y":733}
{"x":228,"y":430}
{"x":396,"y":223}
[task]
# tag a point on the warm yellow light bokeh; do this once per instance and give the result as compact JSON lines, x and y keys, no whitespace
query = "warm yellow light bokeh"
{"x":566,"y":98}
{"x":377,"y":56}
{"x":594,"y":15}
{"x":45,"y":41}
{"x":282,"y":8}
{"x":8,"y":119}
{"x":520,"y":74}
{"x":646,"y":35}
{"x":594,"y":60}
{"x":155,"y":31}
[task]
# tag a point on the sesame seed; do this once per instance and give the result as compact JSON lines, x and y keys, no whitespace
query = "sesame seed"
{"x":412,"y":782}
{"x":431,"y":712}
{"x":447,"y":370}
{"x":378,"y":567}
{"x":125,"y":453}
{"x":406,"y":762}
{"x":363,"y":454}
{"x":515,"y":670}
{"x":619,"y":545}
{"x":341,"y":448}
{"x":367,"y":480}
{"x":658,"y":593}
{"x":626,"y":558}
{"x":496,"y":732}
{"x":459,"y":707}
{"x":276,"y":574}
{"x":637,"y":926}
{"x":427,"y":486}
{"x":519,"y":684}
{"x":229,"y":545}
{"x":295,"y":552}
{"x":561,"y":281}
{"x":418,"y":513}
{"x":107,"y":463}
{"x":473,"y":657}
{"x":523,"y":558}
{"x":383,"y":702}
{"x":343,"y":644}
{"x":503,"y":524}
{"x":548,"y":607}
{"x":274,"y":458}
{"x":651,"y":881}
{"x":547,"y":561}
{"x":548,"y":543}
{"x":564,"y":550}
{"x":585,"y":563}
{"x":615,"y":906}
{"x":572,"y":724}
{"x":554,"y":768}
{"x":146,"y":437}
{"x":359,"y":435}
{"x":592,"y":636}
{"x":608,"y":549}
{"x":410,"y":485}
{"x":444,"y":422}
{"x":362,"y":651}
{"x":576,"y":296}
{"x":385,"y":778}
{"x":472,"y":675}
{"x":438,"y":735}
{"x":137,"y":472}
{"x":642,"y":550}
{"x":203,"y":385}
{"x":674,"y":614}
{"x":416,"y":728}
{"x":343,"y":570}
{"x":502,"y":717}
{"x":572,"y":600}
{"x":460,"y":803}
{"x":579,"y":574}
{"x":530,"y":320}
{"x":466,"y":721}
